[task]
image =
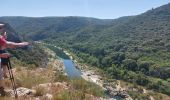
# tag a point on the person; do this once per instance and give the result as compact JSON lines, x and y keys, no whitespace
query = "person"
{"x":4,"y":61}
{"x":3,"y":45}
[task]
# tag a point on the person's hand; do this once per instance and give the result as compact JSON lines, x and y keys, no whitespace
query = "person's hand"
{"x":5,"y":55}
{"x":5,"y":35}
{"x":24,"y":43}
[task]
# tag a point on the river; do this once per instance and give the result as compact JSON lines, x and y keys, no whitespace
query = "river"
{"x":71,"y":70}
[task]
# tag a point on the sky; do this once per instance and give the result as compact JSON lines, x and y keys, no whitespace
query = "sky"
{"x":103,"y":9}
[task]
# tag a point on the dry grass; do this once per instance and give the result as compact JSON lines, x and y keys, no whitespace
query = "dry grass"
{"x":79,"y":90}
{"x":29,"y":78}
{"x":40,"y":91}
{"x":5,"y":98}
{"x":69,"y":95}
{"x":72,"y":90}
{"x":159,"y":96}
{"x":87,"y":87}
{"x":139,"y":92}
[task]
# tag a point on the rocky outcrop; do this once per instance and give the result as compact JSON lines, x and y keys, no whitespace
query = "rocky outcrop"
{"x":21,"y":91}
{"x":32,"y":94}
{"x":114,"y":92}
{"x":50,"y":86}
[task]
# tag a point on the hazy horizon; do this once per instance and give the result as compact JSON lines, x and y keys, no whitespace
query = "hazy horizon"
{"x":101,"y":9}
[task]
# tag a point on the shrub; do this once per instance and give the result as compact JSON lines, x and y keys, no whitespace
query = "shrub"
{"x":40,"y":91}
{"x":87,"y":87}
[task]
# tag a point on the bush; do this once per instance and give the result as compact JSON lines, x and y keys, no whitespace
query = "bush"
{"x":69,"y":95}
{"x":87,"y":87}
{"x":40,"y":91}
{"x":28,"y":79}
{"x":130,"y":64}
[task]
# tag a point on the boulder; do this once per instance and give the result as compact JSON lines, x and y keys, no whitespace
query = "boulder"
{"x":21,"y":91}
{"x":47,"y":96}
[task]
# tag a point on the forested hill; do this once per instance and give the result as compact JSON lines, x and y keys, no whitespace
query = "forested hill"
{"x":24,"y":54}
{"x":133,"y":48}
{"x":12,"y":35}
{"x":45,"y":27}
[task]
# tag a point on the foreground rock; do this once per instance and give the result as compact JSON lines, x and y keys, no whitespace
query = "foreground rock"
{"x":114,"y":92}
{"x":110,"y":90}
{"x":45,"y":91}
{"x":21,"y":91}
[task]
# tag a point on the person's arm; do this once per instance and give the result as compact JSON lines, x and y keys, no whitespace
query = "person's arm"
{"x":8,"y":44}
{"x":15,"y":45}
{"x":4,"y":55}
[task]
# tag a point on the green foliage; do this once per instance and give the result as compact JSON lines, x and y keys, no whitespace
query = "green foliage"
{"x":87,"y":87}
{"x":132,"y":48}
{"x":58,"y":52}
{"x":69,"y":95}
{"x":130,"y":64}
{"x":33,"y":55}
{"x":79,"y":91}
{"x":59,"y":77}
{"x":138,"y":96}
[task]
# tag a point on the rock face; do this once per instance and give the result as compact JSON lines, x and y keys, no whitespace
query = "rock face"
{"x":21,"y":91}
{"x":50,"y":86}
{"x":32,"y":94}
{"x":114,"y":92}
{"x":25,"y":91}
{"x":48,"y":96}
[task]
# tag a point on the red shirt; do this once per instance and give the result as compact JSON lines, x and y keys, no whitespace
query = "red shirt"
{"x":2,"y":41}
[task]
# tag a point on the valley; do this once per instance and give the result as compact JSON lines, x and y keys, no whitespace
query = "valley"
{"x":131,"y":51}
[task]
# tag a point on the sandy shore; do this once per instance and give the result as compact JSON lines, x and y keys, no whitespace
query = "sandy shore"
{"x":92,"y":77}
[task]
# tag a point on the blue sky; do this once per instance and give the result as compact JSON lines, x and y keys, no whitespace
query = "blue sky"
{"x":104,"y":9}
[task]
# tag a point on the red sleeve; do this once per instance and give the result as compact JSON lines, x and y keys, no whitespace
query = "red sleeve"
{"x":3,"y":37}
{"x":2,"y":41}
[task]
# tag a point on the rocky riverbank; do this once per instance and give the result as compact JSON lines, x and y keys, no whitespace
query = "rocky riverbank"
{"x":92,"y":76}
{"x":111,"y":89}
{"x":116,"y":88}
